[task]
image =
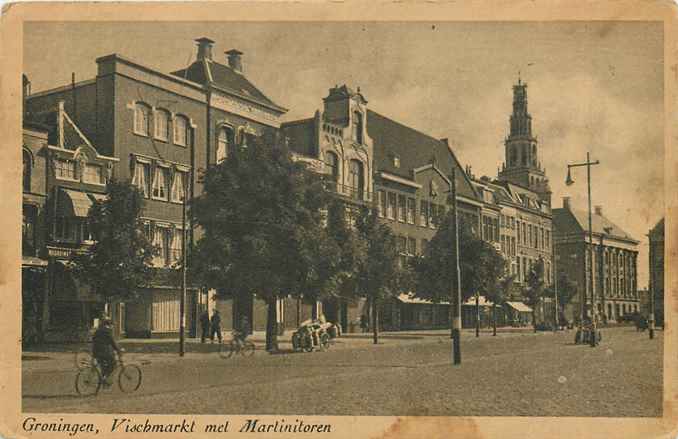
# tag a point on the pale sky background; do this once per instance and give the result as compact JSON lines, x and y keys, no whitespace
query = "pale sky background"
{"x":594,"y":86}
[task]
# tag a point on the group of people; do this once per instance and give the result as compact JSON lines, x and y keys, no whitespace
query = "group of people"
{"x":211,"y":327}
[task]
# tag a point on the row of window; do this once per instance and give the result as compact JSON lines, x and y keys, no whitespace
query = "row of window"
{"x":533,"y":236}
{"x":160,"y":122}
{"x":73,"y":170}
{"x":525,"y":264}
{"x":399,"y":207}
{"x":165,"y":183}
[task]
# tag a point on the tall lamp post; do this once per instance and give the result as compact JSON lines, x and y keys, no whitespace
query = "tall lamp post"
{"x":569,"y":181}
{"x":455,"y":291}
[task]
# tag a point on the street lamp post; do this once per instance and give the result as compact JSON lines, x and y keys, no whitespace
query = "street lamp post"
{"x":455,"y":291}
{"x":569,"y":181}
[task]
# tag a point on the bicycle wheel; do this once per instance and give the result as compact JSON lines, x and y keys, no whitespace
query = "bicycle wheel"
{"x":325,"y":341}
{"x":129,"y":378}
{"x":226,"y":350}
{"x":88,"y":381}
{"x":83,"y":359}
{"x":248,"y":349}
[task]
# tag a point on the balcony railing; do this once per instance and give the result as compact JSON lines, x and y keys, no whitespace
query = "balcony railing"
{"x":356,"y":194}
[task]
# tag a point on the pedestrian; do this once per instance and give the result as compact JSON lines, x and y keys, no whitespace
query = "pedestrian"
{"x":363,"y":323}
{"x":204,"y":326}
{"x":104,"y":348}
{"x":215,"y":325}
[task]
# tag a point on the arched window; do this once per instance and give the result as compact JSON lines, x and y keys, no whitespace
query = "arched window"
{"x":332,"y":163}
{"x":224,"y":141}
{"x":27,"y":162}
{"x":181,"y":130}
{"x":358,"y":127}
{"x":356,"y":178}
{"x":142,"y":118}
{"x":161,"y":124}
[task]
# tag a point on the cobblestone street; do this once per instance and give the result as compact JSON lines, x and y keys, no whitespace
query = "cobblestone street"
{"x":513,"y":374}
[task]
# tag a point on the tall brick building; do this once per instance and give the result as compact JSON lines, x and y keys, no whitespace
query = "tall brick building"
{"x":163,"y":128}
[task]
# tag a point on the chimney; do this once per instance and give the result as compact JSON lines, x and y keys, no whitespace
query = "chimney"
{"x":599,"y":210}
{"x":204,"y":48}
{"x":566,"y":203}
{"x":235,"y":60}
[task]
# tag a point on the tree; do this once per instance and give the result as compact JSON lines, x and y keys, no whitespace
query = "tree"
{"x":498,"y":296}
{"x":534,"y":290}
{"x":481,"y":265}
{"x":118,"y":265}
{"x":262,"y":216}
{"x":379,"y":274}
{"x":566,"y":292}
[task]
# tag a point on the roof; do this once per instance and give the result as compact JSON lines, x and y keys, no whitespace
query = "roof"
{"x":574,"y":221}
{"x":411,"y":298}
{"x":414,"y":149}
{"x":224,"y":77}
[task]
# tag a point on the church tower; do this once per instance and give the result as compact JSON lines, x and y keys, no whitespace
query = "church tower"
{"x":522,"y":165}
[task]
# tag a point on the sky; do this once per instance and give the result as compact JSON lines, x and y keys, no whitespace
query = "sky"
{"x":592,"y":86}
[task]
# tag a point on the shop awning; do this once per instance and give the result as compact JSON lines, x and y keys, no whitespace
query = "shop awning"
{"x":74,"y":203}
{"x":31,"y":261}
{"x":410,"y":298}
{"x":481,"y":301}
{"x":519,"y":306}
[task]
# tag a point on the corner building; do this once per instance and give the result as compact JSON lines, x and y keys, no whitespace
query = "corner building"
{"x":164,"y":128}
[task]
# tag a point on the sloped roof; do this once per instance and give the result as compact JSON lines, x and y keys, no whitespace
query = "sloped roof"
{"x":415,"y":149}
{"x":224,"y":77}
{"x":573,"y":221}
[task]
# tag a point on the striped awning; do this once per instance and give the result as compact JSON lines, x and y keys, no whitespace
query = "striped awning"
{"x":519,"y":306}
{"x":74,"y":203}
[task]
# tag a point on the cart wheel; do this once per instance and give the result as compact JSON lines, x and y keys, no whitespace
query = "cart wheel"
{"x":88,"y":381}
{"x":129,"y":378}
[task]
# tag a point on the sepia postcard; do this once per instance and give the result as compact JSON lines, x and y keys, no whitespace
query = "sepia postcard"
{"x":338,"y":219}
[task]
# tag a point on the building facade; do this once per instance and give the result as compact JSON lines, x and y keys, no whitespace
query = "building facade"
{"x":615,"y":261}
{"x":656,"y":236}
{"x":163,"y":129}
{"x":374,"y":160}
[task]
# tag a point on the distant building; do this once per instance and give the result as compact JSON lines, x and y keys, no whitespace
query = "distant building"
{"x":615,"y":261}
{"x":656,"y":237}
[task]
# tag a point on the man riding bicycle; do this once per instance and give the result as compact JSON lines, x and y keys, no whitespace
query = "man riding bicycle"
{"x":103,"y":348}
{"x":240,"y":334}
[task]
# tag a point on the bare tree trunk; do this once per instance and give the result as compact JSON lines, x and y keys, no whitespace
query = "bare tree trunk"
{"x":375,"y":321}
{"x":477,"y":315}
{"x":494,"y":319}
{"x":271,"y":325}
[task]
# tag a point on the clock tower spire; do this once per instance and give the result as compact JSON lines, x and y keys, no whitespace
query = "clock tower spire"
{"x":522,"y":165}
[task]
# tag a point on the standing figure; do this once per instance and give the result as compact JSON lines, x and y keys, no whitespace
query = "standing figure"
{"x":204,"y":326}
{"x":363,"y":323}
{"x":216,"y":326}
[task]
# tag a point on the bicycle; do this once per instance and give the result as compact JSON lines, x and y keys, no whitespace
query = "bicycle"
{"x":245,"y":348}
{"x":89,"y":379}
